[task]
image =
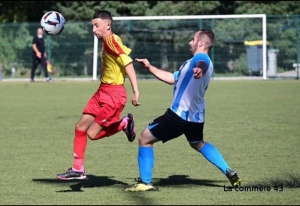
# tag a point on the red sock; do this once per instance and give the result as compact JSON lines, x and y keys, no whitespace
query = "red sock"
{"x":112,"y":129}
{"x":80,"y":141}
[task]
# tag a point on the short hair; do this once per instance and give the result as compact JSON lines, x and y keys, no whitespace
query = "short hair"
{"x":208,"y":37}
{"x":102,"y":14}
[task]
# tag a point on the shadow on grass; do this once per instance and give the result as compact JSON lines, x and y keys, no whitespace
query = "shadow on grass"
{"x":142,"y":198}
{"x":290,"y":181}
{"x":145,"y":198}
{"x":90,"y":182}
{"x":176,"y":180}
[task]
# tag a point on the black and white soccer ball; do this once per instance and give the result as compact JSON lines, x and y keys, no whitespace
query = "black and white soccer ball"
{"x":53,"y":23}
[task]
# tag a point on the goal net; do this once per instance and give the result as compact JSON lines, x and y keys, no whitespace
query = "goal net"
{"x":240,"y":42}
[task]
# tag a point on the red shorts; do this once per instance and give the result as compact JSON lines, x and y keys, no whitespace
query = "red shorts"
{"x":107,"y":104}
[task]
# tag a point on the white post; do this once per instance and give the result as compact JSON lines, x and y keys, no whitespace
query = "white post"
{"x":95,"y":58}
{"x":264,"y":36}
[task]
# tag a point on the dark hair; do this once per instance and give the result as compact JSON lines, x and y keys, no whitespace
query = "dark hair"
{"x":102,"y":14}
{"x":210,"y":35}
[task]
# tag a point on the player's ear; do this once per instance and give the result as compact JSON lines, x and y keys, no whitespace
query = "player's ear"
{"x":199,"y":43}
{"x":107,"y":26}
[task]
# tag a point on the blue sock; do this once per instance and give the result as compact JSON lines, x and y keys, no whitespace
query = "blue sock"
{"x":146,"y":163}
{"x":212,"y":154}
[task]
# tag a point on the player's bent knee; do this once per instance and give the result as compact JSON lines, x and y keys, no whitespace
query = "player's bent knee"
{"x":91,"y":135}
{"x":84,"y":122}
{"x":80,"y":126}
{"x":142,"y":140}
{"x":197,"y":145}
{"x":146,"y":138}
{"x":77,"y":126}
{"x":94,"y":132}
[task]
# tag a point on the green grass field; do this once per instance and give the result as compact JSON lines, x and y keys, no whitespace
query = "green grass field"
{"x":254,"y":124}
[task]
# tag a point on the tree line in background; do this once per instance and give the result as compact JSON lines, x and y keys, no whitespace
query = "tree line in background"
{"x":31,"y":11}
{"x":165,"y":42}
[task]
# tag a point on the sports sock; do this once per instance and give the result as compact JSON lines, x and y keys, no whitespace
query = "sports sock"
{"x":146,"y":163}
{"x":212,"y":154}
{"x":80,"y":141}
{"x":78,"y":162}
{"x":112,"y":129}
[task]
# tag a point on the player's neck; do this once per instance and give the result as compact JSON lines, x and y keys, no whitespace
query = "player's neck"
{"x":201,"y":51}
{"x":107,"y":34}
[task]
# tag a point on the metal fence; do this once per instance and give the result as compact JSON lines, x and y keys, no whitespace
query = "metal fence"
{"x":163,"y":42}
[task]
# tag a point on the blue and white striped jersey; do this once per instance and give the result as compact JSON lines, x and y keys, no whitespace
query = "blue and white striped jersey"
{"x":188,"y":101}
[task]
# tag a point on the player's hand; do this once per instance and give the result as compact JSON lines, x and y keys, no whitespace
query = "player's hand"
{"x":39,"y":55}
{"x":144,"y":62}
{"x":197,"y":73}
{"x":135,"y":99}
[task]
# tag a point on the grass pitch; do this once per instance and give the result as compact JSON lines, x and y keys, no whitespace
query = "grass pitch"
{"x":254,"y":124}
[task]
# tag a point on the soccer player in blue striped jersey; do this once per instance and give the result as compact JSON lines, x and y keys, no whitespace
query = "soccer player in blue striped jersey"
{"x":186,"y":116}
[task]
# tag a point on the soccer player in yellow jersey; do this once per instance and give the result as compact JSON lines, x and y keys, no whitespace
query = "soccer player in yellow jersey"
{"x":101,"y":116}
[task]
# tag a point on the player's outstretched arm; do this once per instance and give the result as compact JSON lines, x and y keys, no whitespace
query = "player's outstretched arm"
{"x":160,"y":74}
{"x":133,"y":81}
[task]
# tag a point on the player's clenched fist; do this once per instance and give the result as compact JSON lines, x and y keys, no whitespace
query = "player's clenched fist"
{"x":144,"y":62}
{"x":197,"y":73}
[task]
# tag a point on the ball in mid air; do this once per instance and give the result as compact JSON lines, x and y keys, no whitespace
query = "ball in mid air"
{"x":53,"y":23}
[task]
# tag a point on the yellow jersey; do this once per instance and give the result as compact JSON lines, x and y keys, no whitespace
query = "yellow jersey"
{"x":114,"y":60}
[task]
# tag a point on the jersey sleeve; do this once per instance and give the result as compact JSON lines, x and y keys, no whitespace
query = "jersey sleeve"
{"x":176,"y":75}
{"x":117,"y":49}
{"x":125,"y":59}
{"x":201,"y":61}
{"x":34,"y":40}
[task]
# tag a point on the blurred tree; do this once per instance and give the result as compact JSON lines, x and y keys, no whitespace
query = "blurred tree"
{"x":31,"y":11}
{"x":24,"y":11}
{"x":11,"y":45}
{"x":83,"y":10}
{"x":165,"y":39}
{"x":267,"y":7}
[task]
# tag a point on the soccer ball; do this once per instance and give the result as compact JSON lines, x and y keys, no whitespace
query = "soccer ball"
{"x":53,"y":23}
